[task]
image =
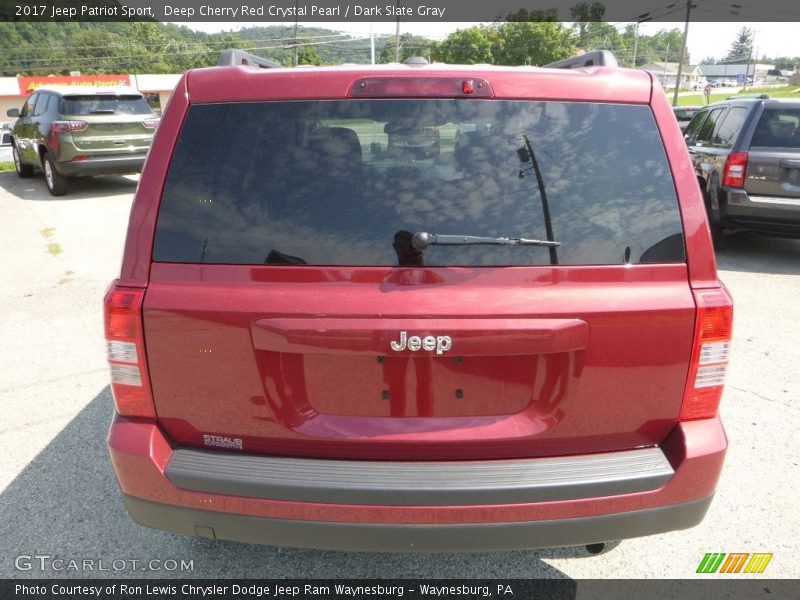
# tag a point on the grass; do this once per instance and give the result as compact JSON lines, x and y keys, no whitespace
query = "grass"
{"x":6,"y":166}
{"x":787,"y":91}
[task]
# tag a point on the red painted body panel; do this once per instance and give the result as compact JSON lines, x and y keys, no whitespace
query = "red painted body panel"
{"x":296,"y":360}
{"x":622,"y":388}
{"x":140,"y":453}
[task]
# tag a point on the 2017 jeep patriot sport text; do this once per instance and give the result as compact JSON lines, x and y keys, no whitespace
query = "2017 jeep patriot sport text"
{"x":516,"y":341}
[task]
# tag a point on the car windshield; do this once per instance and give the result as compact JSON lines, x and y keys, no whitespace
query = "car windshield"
{"x":351,"y":182}
{"x":105,"y":104}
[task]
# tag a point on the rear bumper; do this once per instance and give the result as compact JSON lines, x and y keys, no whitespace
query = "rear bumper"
{"x":417,"y":538}
{"x":767,"y":214}
{"x":545,"y":510}
{"x":111,"y":165}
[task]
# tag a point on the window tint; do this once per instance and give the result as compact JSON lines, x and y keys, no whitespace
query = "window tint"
{"x":708,"y":126}
{"x":349,"y":182}
{"x":27,"y":109}
{"x":41,"y":105}
{"x":694,"y":126}
{"x":99,"y":104}
{"x":778,"y":128}
{"x":730,"y":126}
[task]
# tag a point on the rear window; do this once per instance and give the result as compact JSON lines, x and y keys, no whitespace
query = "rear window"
{"x":111,"y":104}
{"x":778,"y":128}
{"x":350,"y":182}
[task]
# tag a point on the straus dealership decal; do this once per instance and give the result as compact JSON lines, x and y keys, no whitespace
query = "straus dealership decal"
{"x":218,"y":441}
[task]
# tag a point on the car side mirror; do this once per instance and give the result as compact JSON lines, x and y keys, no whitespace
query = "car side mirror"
{"x":13,"y":112}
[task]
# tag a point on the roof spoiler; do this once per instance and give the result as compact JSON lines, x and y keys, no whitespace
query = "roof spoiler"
{"x":233,"y":57}
{"x":595,"y":58}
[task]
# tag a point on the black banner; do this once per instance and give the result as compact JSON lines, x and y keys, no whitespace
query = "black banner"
{"x":286,"y":11}
{"x":386,"y":589}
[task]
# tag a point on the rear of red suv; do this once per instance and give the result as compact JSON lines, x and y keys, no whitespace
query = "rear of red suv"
{"x":517,"y":341}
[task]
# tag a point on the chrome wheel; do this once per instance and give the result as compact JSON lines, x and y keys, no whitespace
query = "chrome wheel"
{"x":48,"y":173}
{"x":14,"y":154}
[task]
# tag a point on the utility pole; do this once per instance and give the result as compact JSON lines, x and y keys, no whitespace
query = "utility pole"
{"x":635,"y":44}
{"x":296,"y":41}
{"x":749,"y":57}
{"x":397,"y":35}
{"x":683,"y":53}
{"x":372,"y":41}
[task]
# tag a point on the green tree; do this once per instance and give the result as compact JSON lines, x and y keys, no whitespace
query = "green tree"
{"x":308,"y":55}
{"x":468,"y":46}
{"x":410,"y":45}
{"x":533,"y":43}
{"x":584,"y":13}
{"x":742,"y":46}
{"x":96,"y":51}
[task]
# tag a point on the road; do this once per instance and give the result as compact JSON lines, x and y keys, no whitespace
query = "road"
{"x":59,"y":496}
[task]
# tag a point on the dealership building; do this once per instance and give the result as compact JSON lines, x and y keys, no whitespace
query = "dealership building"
{"x":14,"y":90}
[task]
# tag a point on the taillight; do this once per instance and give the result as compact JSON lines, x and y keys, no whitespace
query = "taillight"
{"x":151,"y":123}
{"x":735,"y":169}
{"x":710,"y":352}
{"x":67,"y":126}
{"x":130,"y":381}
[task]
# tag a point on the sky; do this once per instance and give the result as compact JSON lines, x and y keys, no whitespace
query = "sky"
{"x":705,"y":39}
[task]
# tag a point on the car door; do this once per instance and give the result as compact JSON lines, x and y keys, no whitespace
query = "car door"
{"x":40,"y":122}
{"x":23,"y":131}
{"x":705,"y":155}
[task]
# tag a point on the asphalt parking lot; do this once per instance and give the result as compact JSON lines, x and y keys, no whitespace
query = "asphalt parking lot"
{"x":59,"y":497}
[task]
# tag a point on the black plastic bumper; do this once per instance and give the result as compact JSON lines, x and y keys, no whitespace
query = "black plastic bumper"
{"x":472,"y":537}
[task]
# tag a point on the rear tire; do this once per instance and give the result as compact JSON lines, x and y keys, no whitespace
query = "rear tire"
{"x":712,"y":201}
{"x":21,"y":168}
{"x":56,"y":182}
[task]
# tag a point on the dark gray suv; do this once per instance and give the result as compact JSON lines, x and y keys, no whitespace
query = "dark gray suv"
{"x":746,"y":154}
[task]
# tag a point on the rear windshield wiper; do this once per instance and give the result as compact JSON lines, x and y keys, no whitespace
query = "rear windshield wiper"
{"x":526,"y":154}
{"x":423,"y":239}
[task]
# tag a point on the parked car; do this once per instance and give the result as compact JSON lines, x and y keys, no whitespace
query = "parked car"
{"x":684,"y":115}
{"x":746,"y":155}
{"x":72,"y":131}
{"x":514,"y":345}
{"x":699,"y":84}
{"x":5,"y":134}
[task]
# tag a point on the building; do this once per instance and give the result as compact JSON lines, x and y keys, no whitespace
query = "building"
{"x":667,"y":73}
{"x":14,"y":90}
{"x":730,"y":72}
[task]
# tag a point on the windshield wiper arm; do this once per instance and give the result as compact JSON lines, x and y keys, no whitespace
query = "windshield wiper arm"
{"x":548,"y":222}
{"x":423,"y":239}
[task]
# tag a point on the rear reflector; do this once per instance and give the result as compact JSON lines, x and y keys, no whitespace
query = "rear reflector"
{"x":709,"y":361}
{"x":420,"y":87}
{"x":735,"y":169}
{"x":130,"y":381}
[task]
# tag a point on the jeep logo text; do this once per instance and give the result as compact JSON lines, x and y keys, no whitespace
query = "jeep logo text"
{"x":441,"y":343}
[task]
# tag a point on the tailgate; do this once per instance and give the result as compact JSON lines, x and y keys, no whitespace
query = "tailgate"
{"x":773,"y":165}
{"x":555,"y":367}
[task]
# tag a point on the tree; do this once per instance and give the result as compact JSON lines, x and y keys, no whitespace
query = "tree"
{"x":533,"y":43}
{"x":742,"y":46}
{"x":307,"y":54}
{"x":468,"y":46}
{"x":584,"y":13}
{"x":410,"y":45}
